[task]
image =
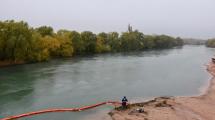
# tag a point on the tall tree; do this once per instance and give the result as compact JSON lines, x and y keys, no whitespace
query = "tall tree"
{"x":131,"y":41}
{"x":66,"y":48}
{"x":15,"y":40}
{"x":78,"y":43}
{"x":89,"y":40}
{"x":210,"y":43}
{"x":114,"y":41}
{"x":39,"y":49}
{"x":45,"y":30}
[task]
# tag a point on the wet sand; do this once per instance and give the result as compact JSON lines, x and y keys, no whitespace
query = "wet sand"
{"x":200,"y":107}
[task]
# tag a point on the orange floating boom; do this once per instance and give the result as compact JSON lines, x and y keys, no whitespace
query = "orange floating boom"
{"x":60,"y":110}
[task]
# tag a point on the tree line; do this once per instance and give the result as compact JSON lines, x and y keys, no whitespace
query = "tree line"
{"x":20,"y":42}
{"x":210,"y":43}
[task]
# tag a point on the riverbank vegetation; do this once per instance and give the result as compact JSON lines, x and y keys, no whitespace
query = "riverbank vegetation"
{"x":193,"y":41}
{"x":21,"y":43}
{"x":210,"y":43}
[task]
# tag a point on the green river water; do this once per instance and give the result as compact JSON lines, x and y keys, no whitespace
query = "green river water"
{"x":79,"y":81}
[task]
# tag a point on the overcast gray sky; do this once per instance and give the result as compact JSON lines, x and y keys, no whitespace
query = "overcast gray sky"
{"x":185,"y":18}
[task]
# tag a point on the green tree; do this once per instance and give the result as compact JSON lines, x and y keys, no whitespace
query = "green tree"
{"x":164,"y":41}
{"x":89,"y":40}
{"x":45,"y":30}
{"x":15,"y":40}
{"x":78,"y":43}
{"x":210,"y":43}
{"x":132,"y":41}
{"x":149,"y":42}
{"x":104,"y":36}
{"x":114,"y":41}
{"x":39,"y":49}
{"x":102,"y":43}
{"x":66,"y":48}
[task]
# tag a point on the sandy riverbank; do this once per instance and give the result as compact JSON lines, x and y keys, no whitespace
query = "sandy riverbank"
{"x":174,"y":108}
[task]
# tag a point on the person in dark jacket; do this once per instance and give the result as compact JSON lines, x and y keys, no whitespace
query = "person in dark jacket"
{"x":124,"y":102}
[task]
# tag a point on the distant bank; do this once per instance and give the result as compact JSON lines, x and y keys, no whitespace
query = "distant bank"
{"x":20,"y":43}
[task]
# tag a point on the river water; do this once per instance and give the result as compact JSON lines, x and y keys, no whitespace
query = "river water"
{"x":79,"y":81}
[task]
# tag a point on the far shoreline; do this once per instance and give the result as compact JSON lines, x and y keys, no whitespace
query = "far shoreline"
{"x":10,"y":63}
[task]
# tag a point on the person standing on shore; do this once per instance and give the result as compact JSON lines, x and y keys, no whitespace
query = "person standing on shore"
{"x":124,"y":102}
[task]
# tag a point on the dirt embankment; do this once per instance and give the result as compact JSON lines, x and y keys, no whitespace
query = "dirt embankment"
{"x":10,"y":63}
{"x":173,"y":108}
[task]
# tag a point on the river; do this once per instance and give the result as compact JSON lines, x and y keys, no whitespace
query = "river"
{"x":79,"y":81}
